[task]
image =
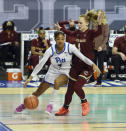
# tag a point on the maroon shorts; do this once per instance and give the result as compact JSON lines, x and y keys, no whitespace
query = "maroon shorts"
{"x":85,"y":73}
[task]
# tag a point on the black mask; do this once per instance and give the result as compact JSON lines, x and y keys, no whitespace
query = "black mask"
{"x":9,"y":27}
{"x":72,"y":28}
{"x":40,"y":38}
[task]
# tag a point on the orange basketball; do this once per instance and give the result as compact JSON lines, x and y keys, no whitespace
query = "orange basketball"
{"x":31,"y":102}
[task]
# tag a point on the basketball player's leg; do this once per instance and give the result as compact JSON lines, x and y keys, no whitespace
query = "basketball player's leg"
{"x":76,"y":85}
{"x":81,"y":81}
{"x":69,"y":93}
{"x":59,"y":81}
{"x":68,"y":96}
{"x":84,"y":76}
{"x":41,"y":89}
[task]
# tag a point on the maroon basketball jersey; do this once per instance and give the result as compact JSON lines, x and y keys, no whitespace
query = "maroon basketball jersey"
{"x":84,"y":42}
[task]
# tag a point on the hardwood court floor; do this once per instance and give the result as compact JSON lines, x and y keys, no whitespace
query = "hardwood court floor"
{"x":107,"y":111}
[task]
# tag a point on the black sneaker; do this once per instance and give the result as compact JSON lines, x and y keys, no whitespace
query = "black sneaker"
{"x":98,"y":84}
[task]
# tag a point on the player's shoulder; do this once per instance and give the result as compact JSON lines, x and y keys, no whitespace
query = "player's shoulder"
{"x":53,"y":46}
{"x":70,"y":45}
{"x":67,"y":43}
{"x":52,"y":49}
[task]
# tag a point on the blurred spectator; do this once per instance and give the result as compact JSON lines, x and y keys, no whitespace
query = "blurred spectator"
{"x":100,"y":45}
{"x":119,"y":53}
{"x":9,"y":35}
{"x":38,"y":47}
{"x":48,"y":28}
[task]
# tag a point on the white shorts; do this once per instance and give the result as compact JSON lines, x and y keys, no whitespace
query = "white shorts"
{"x":53,"y":73}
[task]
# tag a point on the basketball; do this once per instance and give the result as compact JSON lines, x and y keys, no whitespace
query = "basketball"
{"x":31,"y":102}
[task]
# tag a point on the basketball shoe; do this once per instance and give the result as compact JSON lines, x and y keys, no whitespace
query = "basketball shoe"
{"x":49,"y":109}
{"x":85,"y":108}
{"x":20,"y":108}
{"x":62,"y":112}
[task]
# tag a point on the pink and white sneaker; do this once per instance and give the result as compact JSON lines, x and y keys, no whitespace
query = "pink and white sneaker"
{"x":49,"y":109}
{"x":20,"y":108}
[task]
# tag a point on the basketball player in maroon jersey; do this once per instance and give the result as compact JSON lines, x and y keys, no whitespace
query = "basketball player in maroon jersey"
{"x":81,"y":72}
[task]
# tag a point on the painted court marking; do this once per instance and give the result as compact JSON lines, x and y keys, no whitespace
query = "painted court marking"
{"x":3,"y":127}
{"x":107,"y":83}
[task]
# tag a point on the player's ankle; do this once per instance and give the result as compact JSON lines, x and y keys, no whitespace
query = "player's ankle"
{"x":66,"y":106}
{"x":83,"y":100}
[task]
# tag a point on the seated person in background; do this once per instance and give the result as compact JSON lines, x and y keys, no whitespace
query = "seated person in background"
{"x":9,"y":35}
{"x":119,"y":52}
{"x":38,"y":47}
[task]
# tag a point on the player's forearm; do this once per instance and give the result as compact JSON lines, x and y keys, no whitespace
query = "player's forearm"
{"x":68,"y":32}
{"x":63,"y":23}
{"x":115,"y":52}
{"x":38,"y":67}
{"x":88,"y":61}
{"x":41,"y":64}
{"x":30,"y":78}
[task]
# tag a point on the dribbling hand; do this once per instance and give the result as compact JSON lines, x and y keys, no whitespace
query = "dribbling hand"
{"x":27,"y":81}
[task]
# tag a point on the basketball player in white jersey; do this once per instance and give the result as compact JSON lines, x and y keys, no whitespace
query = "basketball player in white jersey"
{"x":60,"y":55}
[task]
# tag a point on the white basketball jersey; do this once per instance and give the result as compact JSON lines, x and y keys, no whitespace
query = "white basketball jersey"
{"x":61,"y":60}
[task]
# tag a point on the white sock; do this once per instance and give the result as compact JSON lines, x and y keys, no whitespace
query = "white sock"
{"x":53,"y":96}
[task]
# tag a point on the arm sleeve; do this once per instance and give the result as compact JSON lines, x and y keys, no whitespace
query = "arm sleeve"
{"x":98,"y":32}
{"x":63,"y":23}
{"x":68,"y":32}
{"x":105,"y":35}
{"x":75,"y":51}
{"x":38,"y":67}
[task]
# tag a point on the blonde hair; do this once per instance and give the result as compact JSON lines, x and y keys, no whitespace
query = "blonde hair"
{"x":104,"y":20}
{"x":94,"y":15}
{"x":90,"y":16}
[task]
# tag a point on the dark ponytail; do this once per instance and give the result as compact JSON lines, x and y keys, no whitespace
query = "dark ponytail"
{"x":57,"y":33}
